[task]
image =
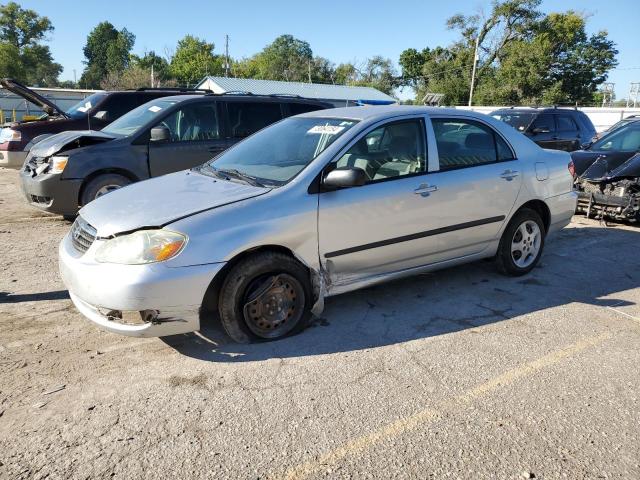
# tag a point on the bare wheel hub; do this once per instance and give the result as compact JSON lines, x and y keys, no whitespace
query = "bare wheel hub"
{"x":274,"y":304}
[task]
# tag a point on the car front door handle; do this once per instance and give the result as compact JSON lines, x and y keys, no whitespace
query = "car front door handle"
{"x":509,"y":175}
{"x":425,"y":190}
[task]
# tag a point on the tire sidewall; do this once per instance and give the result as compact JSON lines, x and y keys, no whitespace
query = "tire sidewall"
{"x":91,"y":188}
{"x":504,"y":258}
{"x":238,"y":280}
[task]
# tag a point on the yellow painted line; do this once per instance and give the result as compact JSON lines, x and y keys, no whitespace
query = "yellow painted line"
{"x":426,"y":416}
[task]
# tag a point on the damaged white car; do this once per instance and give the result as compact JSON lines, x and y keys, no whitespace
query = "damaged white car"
{"x":315,"y":205}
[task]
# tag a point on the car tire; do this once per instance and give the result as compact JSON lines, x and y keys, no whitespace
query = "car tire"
{"x":100,"y":185}
{"x":521,"y":244}
{"x":266,"y":296}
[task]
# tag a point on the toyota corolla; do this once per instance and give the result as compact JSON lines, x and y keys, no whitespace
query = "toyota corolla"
{"x":313,"y":206}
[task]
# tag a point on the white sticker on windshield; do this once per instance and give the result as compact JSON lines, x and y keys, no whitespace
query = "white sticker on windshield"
{"x":330,"y":129}
{"x":154,"y":108}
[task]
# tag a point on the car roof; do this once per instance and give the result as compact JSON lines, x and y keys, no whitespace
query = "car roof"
{"x":538,"y":109}
{"x":387,"y":111}
{"x":243,"y":98}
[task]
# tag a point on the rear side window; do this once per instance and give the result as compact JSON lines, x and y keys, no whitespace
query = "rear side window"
{"x":297,"y":108}
{"x":246,"y":118}
{"x":544,"y":122}
{"x":118,"y":105}
{"x":566,"y":123}
{"x":466,"y":143}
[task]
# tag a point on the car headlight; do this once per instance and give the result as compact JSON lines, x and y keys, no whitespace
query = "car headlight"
{"x":10,"y":135}
{"x":57,"y":164}
{"x":143,"y":246}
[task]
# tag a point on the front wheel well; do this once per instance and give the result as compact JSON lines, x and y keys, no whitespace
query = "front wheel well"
{"x":210,"y":300}
{"x":542,"y":209}
{"x":97,"y":173}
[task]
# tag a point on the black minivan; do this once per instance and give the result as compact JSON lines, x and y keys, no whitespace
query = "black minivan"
{"x":68,"y":170}
{"x":95,"y":112}
{"x":554,"y":128}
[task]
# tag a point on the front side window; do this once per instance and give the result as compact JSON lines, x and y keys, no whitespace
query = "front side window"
{"x":390,"y":151}
{"x":466,"y":143}
{"x":131,"y":122}
{"x":276,"y":154}
{"x":625,"y":138}
{"x":194,"y":122}
{"x":246,"y":118}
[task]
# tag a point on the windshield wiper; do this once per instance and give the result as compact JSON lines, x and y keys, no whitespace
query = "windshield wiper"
{"x":233,"y":173}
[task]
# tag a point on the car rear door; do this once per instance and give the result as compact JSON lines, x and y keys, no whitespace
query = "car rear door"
{"x":568,"y":133}
{"x":245,"y":117}
{"x":195,"y":137}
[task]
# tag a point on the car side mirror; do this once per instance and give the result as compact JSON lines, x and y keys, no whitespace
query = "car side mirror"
{"x":345,"y":177}
{"x":538,"y":130}
{"x":160,"y":134}
{"x":102,"y":115}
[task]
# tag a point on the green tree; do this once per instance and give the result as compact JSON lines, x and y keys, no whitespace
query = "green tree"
{"x":286,"y":58}
{"x":161,"y":70}
{"x":22,"y":56}
{"x":107,"y":51}
{"x":194,"y":59}
{"x":524,"y":57}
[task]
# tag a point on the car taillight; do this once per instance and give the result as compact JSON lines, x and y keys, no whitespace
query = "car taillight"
{"x":572,"y":169}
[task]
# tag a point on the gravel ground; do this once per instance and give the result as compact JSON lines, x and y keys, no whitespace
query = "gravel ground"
{"x":458,"y":374}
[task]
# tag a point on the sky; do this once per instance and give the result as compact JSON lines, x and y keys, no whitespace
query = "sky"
{"x":341,"y":31}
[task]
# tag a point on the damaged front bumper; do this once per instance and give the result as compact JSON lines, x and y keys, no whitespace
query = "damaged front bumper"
{"x":152,"y":300}
{"x":614,"y":202}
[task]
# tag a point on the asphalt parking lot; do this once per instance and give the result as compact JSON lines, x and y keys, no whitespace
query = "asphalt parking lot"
{"x":461,"y":373}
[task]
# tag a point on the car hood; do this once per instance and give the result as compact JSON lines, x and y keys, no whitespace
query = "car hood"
{"x":162,"y":200}
{"x":605,"y":171}
{"x":31,"y":96}
{"x":67,"y":141}
{"x":583,"y":159}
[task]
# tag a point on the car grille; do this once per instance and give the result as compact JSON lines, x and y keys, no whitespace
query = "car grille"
{"x":82,"y":235}
{"x":39,"y":199}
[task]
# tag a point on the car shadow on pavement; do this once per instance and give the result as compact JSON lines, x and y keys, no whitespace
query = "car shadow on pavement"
{"x":580,"y":265}
{"x":6,"y":297}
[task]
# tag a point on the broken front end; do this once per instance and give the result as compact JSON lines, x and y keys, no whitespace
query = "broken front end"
{"x":610,"y":193}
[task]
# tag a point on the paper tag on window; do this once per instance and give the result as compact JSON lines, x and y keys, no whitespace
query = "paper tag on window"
{"x":329,"y":129}
{"x":82,"y":109}
{"x":154,"y":108}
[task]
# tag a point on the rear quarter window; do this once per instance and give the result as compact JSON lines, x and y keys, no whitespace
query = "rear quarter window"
{"x":246,"y":118}
{"x":298,"y":108}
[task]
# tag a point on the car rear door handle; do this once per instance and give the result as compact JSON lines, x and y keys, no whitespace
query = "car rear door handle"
{"x":509,"y":175}
{"x":425,"y":189}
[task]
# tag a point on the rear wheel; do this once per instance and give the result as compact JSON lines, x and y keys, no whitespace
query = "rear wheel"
{"x":521,"y":244}
{"x":266,"y":296}
{"x":101,"y":185}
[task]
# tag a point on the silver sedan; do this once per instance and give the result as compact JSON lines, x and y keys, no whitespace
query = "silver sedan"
{"x":315,"y":205}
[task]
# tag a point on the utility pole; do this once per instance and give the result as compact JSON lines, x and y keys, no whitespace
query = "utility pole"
{"x":473,"y":72}
{"x":75,"y":81}
{"x":152,"y":79}
{"x":226,"y":55}
{"x":309,"y":64}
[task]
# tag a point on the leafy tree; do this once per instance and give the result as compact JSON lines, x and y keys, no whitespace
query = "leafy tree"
{"x":286,"y":58}
{"x":22,"y":56}
{"x":193,"y":60}
{"x":132,"y":77}
{"x":524,"y":57}
{"x":151,"y":60}
{"x":346,"y":74}
{"x":107,"y":51}
{"x":378,"y":72}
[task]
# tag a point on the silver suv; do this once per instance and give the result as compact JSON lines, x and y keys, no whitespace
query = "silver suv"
{"x":314,"y":205}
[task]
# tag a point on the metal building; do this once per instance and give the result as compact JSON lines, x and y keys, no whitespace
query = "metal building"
{"x":338,"y":95}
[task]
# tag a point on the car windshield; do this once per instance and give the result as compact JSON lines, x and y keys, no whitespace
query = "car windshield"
{"x":278,"y":153}
{"x":130,"y":122}
{"x":518,"y":120}
{"x":80,"y":109}
{"x":626,"y":139}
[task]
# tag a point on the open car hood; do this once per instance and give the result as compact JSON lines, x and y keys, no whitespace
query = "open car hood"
{"x":33,"y":97}
{"x":70,"y":140}
{"x":605,"y":169}
{"x":163,"y":200}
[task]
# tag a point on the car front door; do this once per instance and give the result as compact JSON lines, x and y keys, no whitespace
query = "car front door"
{"x":194,"y":136}
{"x":369,"y":229}
{"x":543,"y":131}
